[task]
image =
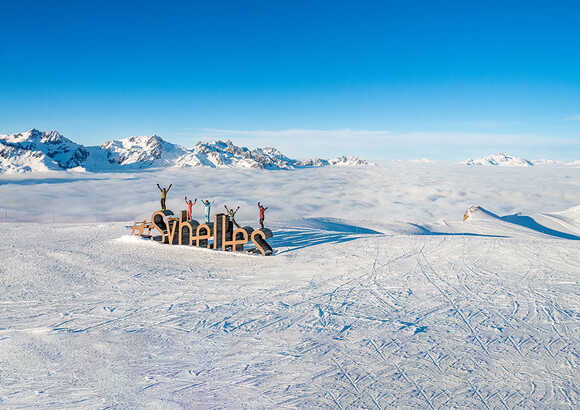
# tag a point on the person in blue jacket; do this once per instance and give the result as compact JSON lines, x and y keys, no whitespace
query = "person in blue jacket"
{"x":207,"y":205}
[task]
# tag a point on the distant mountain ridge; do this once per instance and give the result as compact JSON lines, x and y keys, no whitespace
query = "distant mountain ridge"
{"x":504,"y":160}
{"x":500,"y":159}
{"x":36,"y":151}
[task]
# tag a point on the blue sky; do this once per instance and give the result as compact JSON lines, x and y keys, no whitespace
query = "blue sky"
{"x":382,"y":80}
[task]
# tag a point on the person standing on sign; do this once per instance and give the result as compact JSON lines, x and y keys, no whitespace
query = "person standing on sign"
{"x":189,"y":205}
{"x":262,"y":210}
{"x":232,"y":214}
{"x":207,"y":205}
{"x":164,"y":195}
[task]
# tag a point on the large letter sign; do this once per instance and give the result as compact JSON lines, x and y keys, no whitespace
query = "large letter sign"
{"x":219,"y":234}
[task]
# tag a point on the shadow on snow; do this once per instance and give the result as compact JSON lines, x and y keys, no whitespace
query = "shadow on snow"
{"x":530,"y":223}
{"x":425,"y":231}
{"x":318,"y":231}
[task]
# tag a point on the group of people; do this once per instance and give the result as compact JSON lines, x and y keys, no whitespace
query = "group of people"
{"x":230,"y":211}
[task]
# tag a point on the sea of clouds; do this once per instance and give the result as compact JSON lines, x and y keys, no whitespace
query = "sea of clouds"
{"x":393,"y":191}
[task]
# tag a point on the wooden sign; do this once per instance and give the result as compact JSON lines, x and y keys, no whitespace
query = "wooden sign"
{"x":218,"y":235}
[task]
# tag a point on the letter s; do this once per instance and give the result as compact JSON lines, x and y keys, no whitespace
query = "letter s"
{"x":255,"y":241}
{"x":157,"y":227}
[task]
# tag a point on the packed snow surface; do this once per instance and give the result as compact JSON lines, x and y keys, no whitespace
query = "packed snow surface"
{"x":379,"y":294}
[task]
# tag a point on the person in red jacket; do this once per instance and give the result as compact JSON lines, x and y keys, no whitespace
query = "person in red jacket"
{"x":262,"y":210}
{"x":189,"y":205}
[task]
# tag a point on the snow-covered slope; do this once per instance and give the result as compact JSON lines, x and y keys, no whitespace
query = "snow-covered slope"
{"x":14,"y":160}
{"x":340,"y":317}
{"x":42,"y":151}
{"x":500,"y":159}
{"x":564,"y":224}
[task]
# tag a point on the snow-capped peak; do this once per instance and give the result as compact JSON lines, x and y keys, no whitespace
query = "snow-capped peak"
{"x":142,"y":151}
{"x":349,"y":161}
{"x":36,"y":150}
{"x":36,"y":136}
{"x":500,"y":159}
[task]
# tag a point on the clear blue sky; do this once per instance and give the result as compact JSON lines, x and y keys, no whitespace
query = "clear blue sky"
{"x":382,"y":80}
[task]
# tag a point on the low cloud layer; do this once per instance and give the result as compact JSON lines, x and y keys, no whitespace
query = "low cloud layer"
{"x":396,"y":191}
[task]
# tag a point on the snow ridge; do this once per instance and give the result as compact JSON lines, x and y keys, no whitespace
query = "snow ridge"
{"x":36,"y":151}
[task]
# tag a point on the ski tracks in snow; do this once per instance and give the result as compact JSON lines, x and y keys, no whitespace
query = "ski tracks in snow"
{"x":377,"y":322}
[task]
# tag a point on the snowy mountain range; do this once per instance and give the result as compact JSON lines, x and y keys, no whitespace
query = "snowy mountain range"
{"x":503,"y":160}
{"x":36,"y":151}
